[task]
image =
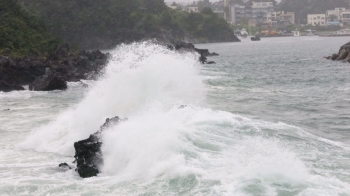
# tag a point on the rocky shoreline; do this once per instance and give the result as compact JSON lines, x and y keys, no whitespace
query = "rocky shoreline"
{"x":64,"y":65}
{"x":342,"y":55}
{"x":52,"y":72}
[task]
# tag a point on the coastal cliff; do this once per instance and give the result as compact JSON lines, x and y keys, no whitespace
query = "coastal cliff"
{"x":105,"y":24}
{"x":33,"y":33}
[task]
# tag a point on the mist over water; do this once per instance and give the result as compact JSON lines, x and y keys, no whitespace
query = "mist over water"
{"x":216,"y":145}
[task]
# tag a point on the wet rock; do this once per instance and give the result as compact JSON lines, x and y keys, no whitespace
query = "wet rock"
{"x":343,"y":54}
{"x":182,"y":106}
{"x":182,"y":46}
{"x":256,"y":38}
{"x":202,"y":59}
{"x":68,"y":64}
{"x":6,"y":87}
{"x":48,"y":83}
{"x":64,"y":166}
{"x":335,"y":56}
{"x":344,"y":47}
{"x":213,"y":54}
{"x":88,"y":154}
{"x":211,"y":62}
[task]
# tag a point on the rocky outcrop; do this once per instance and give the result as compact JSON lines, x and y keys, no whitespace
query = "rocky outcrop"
{"x":64,"y":166}
{"x":256,"y":38}
{"x":6,"y":87}
{"x":88,"y":154}
{"x":63,"y":63}
{"x":204,"y":53}
{"x":48,"y":83}
{"x":342,"y":55}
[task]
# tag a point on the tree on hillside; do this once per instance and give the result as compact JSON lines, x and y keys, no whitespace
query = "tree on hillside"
{"x":104,"y":23}
{"x":22,"y":33}
{"x":154,"y":6}
{"x":203,"y":4}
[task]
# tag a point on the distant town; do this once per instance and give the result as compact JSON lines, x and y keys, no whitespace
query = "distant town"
{"x":265,"y":15}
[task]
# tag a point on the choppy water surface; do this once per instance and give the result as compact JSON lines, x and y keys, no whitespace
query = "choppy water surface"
{"x":270,"y":118}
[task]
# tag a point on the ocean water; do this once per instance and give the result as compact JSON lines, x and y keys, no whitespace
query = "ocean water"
{"x":270,"y":118}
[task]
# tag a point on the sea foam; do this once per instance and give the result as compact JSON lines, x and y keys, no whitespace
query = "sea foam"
{"x":172,"y":142}
{"x":137,"y":77}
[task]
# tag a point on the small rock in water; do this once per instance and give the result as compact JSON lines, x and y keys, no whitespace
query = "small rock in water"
{"x":6,"y":109}
{"x":6,"y":87}
{"x":182,"y":106}
{"x":48,"y":83}
{"x":64,"y":166}
{"x":211,"y":62}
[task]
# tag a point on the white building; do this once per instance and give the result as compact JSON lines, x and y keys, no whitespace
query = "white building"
{"x":336,"y":12}
{"x":281,"y":18}
{"x":345,"y":17}
{"x":257,"y":13}
{"x":316,"y":19}
{"x":296,"y":33}
{"x":193,"y":9}
{"x":262,"y":5}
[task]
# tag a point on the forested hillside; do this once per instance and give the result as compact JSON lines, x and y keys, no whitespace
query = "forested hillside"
{"x":104,"y":23}
{"x":22,"y":33}
{"x":304,"y":7}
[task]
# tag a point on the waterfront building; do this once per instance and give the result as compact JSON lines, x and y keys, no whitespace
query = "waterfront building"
{"x":345,"y":17}
{"x":256,"y":13}
{"x":335,"y":13}
{"x":316,"y":19}
{"x":218,"y":8}
{"x":281,"y":18}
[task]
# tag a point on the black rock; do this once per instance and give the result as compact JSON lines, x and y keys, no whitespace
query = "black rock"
{"x":182,"y":106}
{"x":213,"y":54}
{"x":211,"y":62}
{"x":202,"y":59}
{"x":182,"y":46}
{"x":256,"y":38}
{"x":203,"y":52}
{"x":6,"y":87}
{"x":48,"y":83}
{"x":335,"y":56}
{"x":68,"y":64}
{"x":88,"y":154}
{"x":87,"y":171}
{"x":64,"y":166}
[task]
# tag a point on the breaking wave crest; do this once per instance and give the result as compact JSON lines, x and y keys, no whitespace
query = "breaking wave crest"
{"x":189,"y":150}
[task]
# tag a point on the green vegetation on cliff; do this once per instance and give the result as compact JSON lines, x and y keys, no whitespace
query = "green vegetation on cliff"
{"x":206,"y":24}
{"x":21,"y":33}
{"x":105,"y":23}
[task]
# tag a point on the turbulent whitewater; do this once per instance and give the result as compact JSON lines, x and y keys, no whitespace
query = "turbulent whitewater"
{"x":181,"y":137}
